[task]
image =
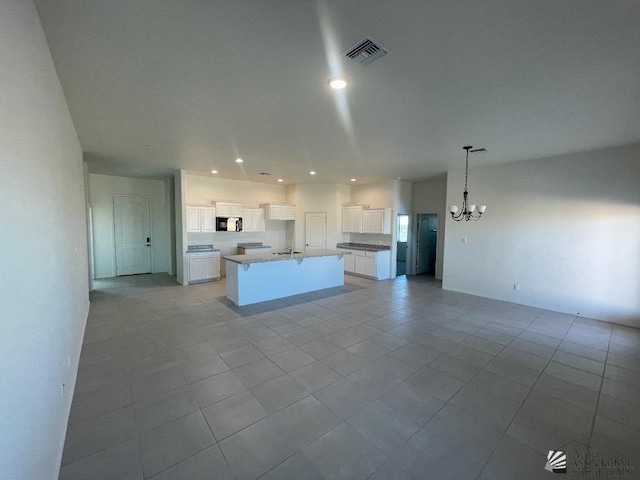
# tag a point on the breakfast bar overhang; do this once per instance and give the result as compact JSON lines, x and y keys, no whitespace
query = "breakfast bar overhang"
{"x":258,"y":278}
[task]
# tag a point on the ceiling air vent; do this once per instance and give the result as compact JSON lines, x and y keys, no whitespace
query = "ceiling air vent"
{"x":366,"y":51}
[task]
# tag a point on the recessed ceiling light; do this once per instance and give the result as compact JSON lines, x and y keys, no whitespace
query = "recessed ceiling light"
{"x":214,"y":171}
{"x":280,"y":180}
{"x":353,"y":179}
{"x":312,"y":172}
{"x":239,"y":160}
{"x":338,"y":83}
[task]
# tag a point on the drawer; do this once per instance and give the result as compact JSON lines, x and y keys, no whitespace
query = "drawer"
{"x":372,"y":254}
{"x":360,"y":253}
{"x":194,"y":256}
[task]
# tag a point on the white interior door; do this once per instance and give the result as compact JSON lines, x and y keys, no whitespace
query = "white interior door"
{"x":132,"y":219}
{"x":316,"y":230}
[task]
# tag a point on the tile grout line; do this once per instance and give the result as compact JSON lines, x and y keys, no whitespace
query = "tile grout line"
{"x":446,"y":402}
{"x":523,"y":401}
{"x":595,"y":413}
{"x":256,"y":316}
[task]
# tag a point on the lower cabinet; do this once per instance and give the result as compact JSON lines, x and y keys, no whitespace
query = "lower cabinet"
{"x":361,"y":262}
{"x":204,"y":266}
{"x":367,"y":264}
{"x":349,"y":261}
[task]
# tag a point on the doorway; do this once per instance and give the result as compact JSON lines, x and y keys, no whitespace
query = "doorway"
{"x":401,"y":244}
{"x":427,"y":240}
{"x":132,"y":231}
{"x":315,"y":230}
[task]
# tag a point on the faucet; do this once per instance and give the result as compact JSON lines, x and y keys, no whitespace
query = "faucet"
{"x":290,"y":250}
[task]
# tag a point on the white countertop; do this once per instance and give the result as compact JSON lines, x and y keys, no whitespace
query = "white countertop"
{"x":270,"y":257}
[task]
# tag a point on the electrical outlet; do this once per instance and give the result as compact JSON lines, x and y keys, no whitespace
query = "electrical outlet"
{"x":464,"y":240}
{"x":516,"y":287}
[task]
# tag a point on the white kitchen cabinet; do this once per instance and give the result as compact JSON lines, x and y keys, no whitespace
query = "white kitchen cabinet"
{"x":229,"y":209}
{"x":207,"y":219}
{"x":193,"y":219}
{"x":370,"y":266}
{"x":201,"y":219}
{"x":279,"y":211}
{"x":376,"y":220}
{"x":352,"y":219}
{"x":288,"y":212}
{"x":349,"y":260}
{"x":253,"y":220}
{"x":367,"y":264}
{"x":361,"y":263}
{"x":203,"y":266}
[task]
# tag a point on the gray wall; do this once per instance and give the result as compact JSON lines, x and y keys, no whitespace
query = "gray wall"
{"x":566,"y":229}
{"x":102,"y":190}
{"x":43,"y":286}
{"x":431,"y":197}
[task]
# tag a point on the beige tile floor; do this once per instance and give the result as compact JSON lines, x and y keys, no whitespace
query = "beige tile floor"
{"x":373,"y":380}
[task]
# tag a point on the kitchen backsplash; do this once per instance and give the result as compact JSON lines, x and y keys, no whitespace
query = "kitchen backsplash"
{"x":370,"y":238}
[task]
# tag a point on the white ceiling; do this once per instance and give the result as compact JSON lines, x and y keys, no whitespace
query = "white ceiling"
{"x":159,"y":85}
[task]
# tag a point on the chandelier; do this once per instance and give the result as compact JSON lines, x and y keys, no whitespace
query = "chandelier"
{"x":467,"y":212}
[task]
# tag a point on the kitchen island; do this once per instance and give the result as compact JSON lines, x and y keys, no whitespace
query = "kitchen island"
{"x":258,"y":278}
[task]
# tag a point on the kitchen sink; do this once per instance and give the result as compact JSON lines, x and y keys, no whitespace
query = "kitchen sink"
{"x":284,"y":253}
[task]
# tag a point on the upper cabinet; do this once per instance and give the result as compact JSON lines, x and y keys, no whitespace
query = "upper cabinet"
{"x":352,"y":219}
{"x":360,"y":219}
{"x":279,"y":211}
{"x":253,"y":220}
{"x":229,"y":209}
{"x":201,"y":219}
{"x":376,"y":220}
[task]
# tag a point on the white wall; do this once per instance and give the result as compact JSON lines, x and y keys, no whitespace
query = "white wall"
{"x":43,"y":286}
{"x":102,"y":190}
{"x":203,"y":190}
{"x":327,"y":198}
{"x":431,"y":197}
{"x":566,"y":229}
{"x":376,"y":194}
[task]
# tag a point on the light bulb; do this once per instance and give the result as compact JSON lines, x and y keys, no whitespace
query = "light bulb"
{"x":481,"y":208}
{"x":453,"y":209}
{"x":471,"y":208}
{"x":338,"y":83}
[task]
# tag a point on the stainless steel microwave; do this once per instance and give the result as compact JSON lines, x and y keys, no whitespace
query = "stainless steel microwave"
{"x":228,"y":224}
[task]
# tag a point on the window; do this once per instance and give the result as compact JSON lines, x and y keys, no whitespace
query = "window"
{"x":403,"y":228}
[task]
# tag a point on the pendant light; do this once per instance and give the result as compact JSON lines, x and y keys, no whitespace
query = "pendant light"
{"x":469,"y":212}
